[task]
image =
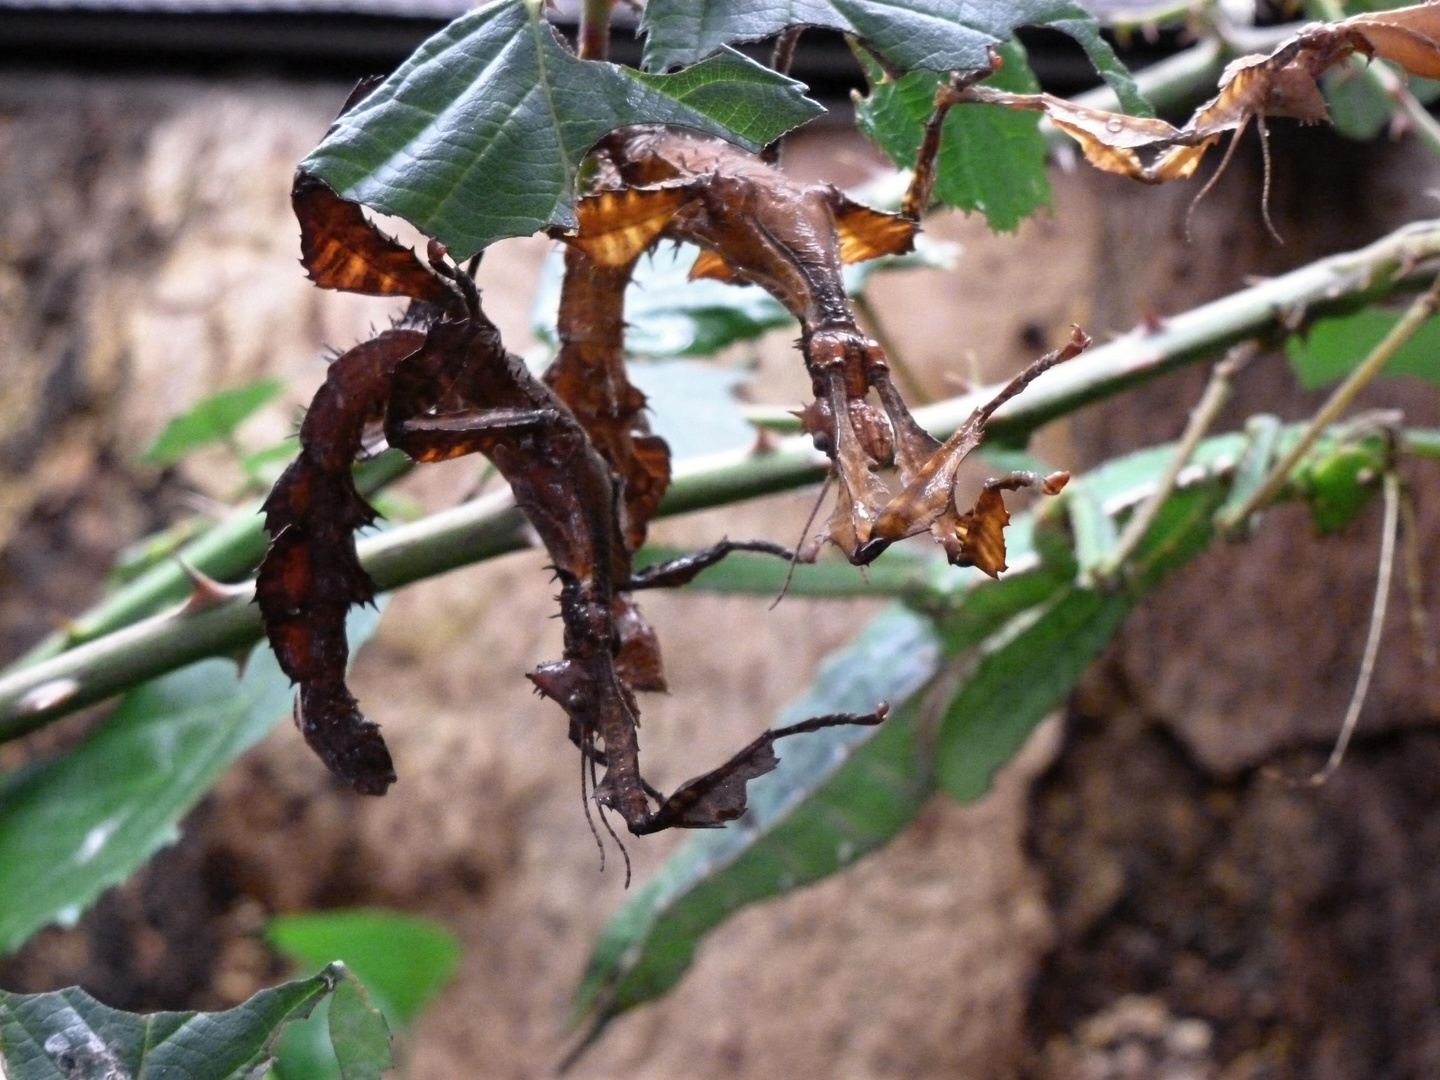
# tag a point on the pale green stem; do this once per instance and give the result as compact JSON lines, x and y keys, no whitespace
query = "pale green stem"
{"x":1217,"y":393}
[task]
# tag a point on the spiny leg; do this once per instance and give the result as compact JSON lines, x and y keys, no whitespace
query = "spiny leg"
{"x":709,"y":801}
{"x":683,"y":569}
{"x":928,"y":495}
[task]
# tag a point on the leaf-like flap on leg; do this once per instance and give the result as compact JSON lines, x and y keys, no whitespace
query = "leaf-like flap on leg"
{"x":866,"y":233}
{"x":341,"y":249}
{"x":981,"y":534}
{"x":616,"y":226}
{"x":638,"y":661}
{"x":709,"y":264}
{"x":709,"y":801}
{"x":1409,"y":37}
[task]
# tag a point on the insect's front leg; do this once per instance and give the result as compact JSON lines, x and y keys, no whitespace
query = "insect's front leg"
{"x":709,"y":801}
{"x":683,"y":569}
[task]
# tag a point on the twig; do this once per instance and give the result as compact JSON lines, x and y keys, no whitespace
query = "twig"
{"x":1217,"y":393}
{"x":1415,"y":317}
{"x":947,"y":96}
{"x":593,"y":41}
{"x":784,"y":54}
{"x":1415,"y":582}
{"x":780,"y":61}
{"x":1372,"y":639}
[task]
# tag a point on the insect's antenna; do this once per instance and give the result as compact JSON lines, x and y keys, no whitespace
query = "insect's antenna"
{"x":1377,"y":627}
{"x":795,"y":555}
{"x":587,"y":760}
{"x":1215,"y":177}
{"x":1265,"y":182}
{"x":1388,"y":533}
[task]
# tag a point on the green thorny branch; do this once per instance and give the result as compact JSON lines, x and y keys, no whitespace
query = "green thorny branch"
{"x":223,"y":622}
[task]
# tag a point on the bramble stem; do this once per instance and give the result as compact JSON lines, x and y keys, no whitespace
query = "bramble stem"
{"x":34,"y":695}
{"x":228,"y":552}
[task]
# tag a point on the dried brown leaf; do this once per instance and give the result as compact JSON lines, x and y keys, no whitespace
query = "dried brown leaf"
{"x":1409,"y":37}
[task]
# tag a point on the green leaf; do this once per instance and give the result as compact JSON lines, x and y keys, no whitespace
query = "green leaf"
{"x":1359,"y":109}
{"x":1334,"y":347}
{"x":358,"y":1033}
{"x":1338,"y":478}
{"x":1031,"y":665}
{"x":1262,"y":436}
{"x":1025,"y":671}
{"x":991,"y":159}
{"x":478,"y":135}
{"x":404,"y":960}
{"x":74,"y":824}
{"x":837,"y":795}
{"x":937,"y":35}
{"x":68,"y":1035}
{"x":209,"y":420}
{"x":1095,"y":531}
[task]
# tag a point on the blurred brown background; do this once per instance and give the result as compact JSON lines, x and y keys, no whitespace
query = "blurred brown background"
{"x":1134,"y":899}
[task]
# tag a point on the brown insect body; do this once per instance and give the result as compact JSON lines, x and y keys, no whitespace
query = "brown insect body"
{"x":581,"y":464}
{"x":755,"y":225}
{"x":577,"y":451}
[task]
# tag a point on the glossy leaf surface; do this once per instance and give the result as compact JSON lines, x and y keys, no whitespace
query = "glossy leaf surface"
{"x":991,"y":159}
{"x":479,"y":134}
{"x":403,"y":959}
{"x":68,"y":1035}
{"x":938,"y":35}
{"x":1334,"y":347}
